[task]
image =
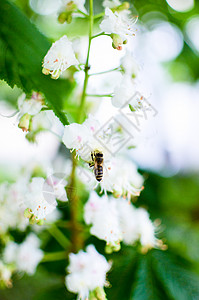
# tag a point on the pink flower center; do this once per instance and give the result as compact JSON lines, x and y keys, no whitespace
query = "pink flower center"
{"x":92,"y":128}
{"x":79,"y":138}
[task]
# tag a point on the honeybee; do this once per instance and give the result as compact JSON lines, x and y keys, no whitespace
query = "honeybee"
{"x":97,"y":163}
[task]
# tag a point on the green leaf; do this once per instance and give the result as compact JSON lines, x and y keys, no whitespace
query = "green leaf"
{"x":155,"y":276}
{"x":122,"y":275}
{"x":146,"y":286}
{"x":22,"y":49}
{"x":180,"y":283}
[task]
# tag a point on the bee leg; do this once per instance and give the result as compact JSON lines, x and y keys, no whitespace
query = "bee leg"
{"x":92,"y":156}
{"x":91,"y":164}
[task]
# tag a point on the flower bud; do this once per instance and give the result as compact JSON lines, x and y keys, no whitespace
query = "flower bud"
{"x":123,"y":6}
{"x":116,"y":247}
{"x":24,"y":122}
{"x":65,"y":17}
{"x":61,"y":19}
{"x":28,"y":213}
{"x":97,"y":294}
{"x":108,"y":249}
{"x":117,"y":41}
{"x":45,"y":71}
{"x":69,"y":18}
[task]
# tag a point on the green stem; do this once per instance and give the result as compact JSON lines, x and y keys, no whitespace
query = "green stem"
{"x":100,"y":96}
{"x":81,"y":12}
{"x":99,"y":34}
{"x":76,"y":237}
{"x":99,"y":15}
{"x":83,"y":98}
{"x":54,"y":256}
{"x":104,"y":72}
{"x":59,"y":236}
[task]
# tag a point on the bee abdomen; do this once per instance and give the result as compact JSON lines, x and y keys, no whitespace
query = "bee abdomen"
{"x":99,"y":173}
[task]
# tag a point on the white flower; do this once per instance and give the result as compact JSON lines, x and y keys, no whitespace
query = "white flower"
{"x":11,"y":212}
{"x":41,"y":121}
{"x":10,"y":252}
{"x":26,"y":256}
{"x":32,"y":105}
{"x":86,"y":138}
{"x":118,"y":24}
{"x":34,"y":200}
{"x":45,"y":7}
{"x":102,"y":213}
{"x":55,"y":187}
{"x":128,"y":221}
{"x":122,"y":178}
{"x":146,"y":229}
{"x":40,"y":198}
{"x":111,"y":3}
{"x":130,"y":65}
{"x":29,"y":255}
{"x":59,"y":57}
{"x":115,"y":220}
{"x":87,"y":272}
{"x":75,"y":136}
{"x":124,"y":94}
{"x":136,"y":225}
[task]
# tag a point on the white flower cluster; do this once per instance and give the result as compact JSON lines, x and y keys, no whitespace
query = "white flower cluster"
{"x":40,"y":198}
{"x":32,"y":197}
{"x":129,"y":184}
{"x":87,"y":272}
{"x":59,"y":58}
{"x":115,"y":220}
{"x":102,"y":213}
{"x":118,"y":23}
{"x":25,"y":256}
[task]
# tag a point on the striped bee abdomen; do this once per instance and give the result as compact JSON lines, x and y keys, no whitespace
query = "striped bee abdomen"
{"x":98,"y":173}
{"x":97,"y":161}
